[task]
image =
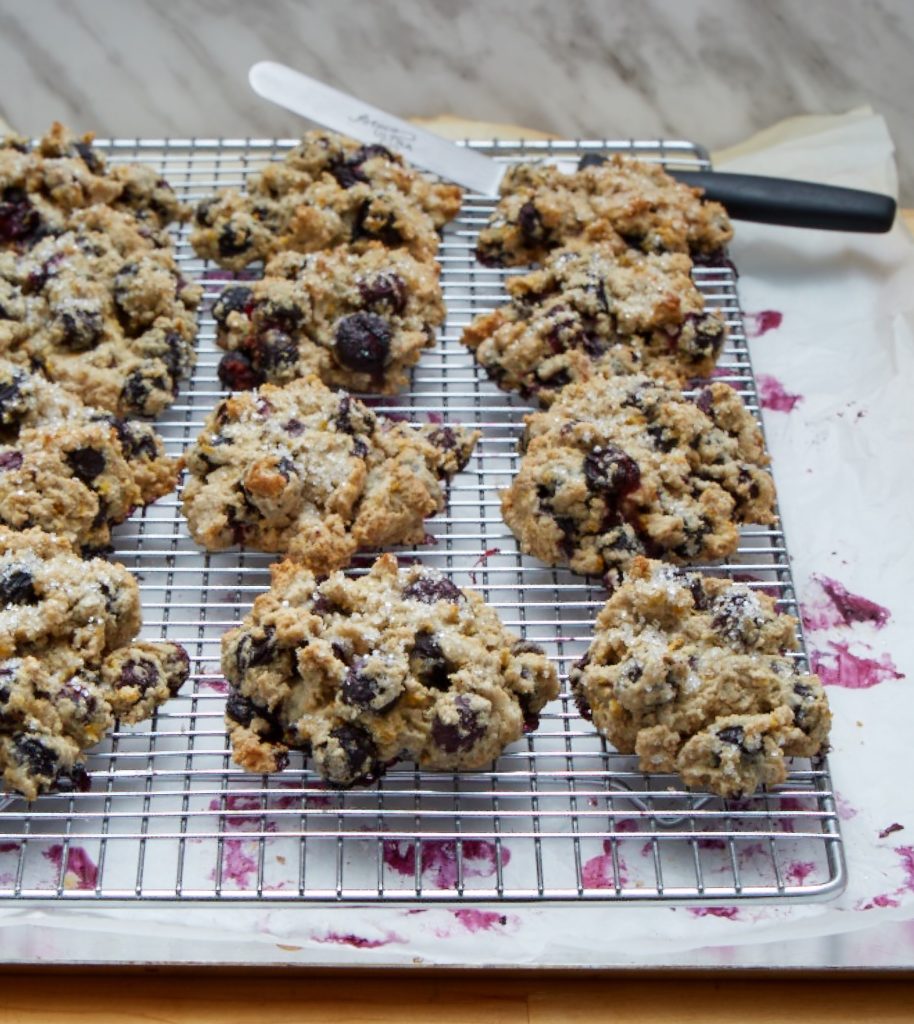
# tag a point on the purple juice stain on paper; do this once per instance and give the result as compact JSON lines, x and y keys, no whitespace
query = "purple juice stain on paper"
{"x":79,"y":865}
{"x":599,"y":872}
{"x":884,"y":899}
{"x":357,"y":941}
{"x":481,"y":920}
{"x":439,"y":858}
{"x":773,"y":395}
{"x":434,"y":417}
{"x":730,"y":913}
{"x":799,"y":871}
{"x":844,"y":807}
{"x":906,"y":853}
{"x":238,"y":864}
{"x":9,"y":847}
{"x":215,"y":685}
{"x":889,"y":829}
{"x":835,"y":605}
{"x":762,"y":322}
{"x":839,"y":666}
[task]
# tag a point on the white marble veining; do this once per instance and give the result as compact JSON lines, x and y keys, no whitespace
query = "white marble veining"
{"x":710,"y":70}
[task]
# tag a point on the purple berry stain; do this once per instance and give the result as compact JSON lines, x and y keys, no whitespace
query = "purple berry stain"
{"x":839,"y":666}
{"x":357,"y":941}
{"x":438,"y":858}
{"x":239,"y":862}
{"x":80,"y":871}
{"x":599,"y":872}
{"x":730,"y":913}
{"x":482,"y":920}
{"x":837,"y":606}
{"x":773,"y":395}
{"x":762,"y":322}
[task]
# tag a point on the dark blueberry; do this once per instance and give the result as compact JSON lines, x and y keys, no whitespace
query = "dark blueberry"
{"x":705,"y":401}
{"x":729,"y":613}
{"x":429,"y":589}
{"x":203,"y":213}
{"x":275,"y":313}
{"x":363,"y":342}
{"x":346,"y":173}
{"x":38,"y":278}
{"x":699,"y":597}
{"x":275,"y":351}
{"x":238,"y":373}
{"x":594,"y":345}
{"x":428,"y":662}
{"x":802,"y":690}
{"x":386,"y":290}
{"x":294,"y":427}
{"x":608,"y":470}
{"x":360,"y":690}
{"x":633,"y":671}
{"x":717,"y":260}
{"x":17,"y":586}
{"x":253,"y":651}
{"x":175,"y":355}
{"x":178,"y":669}
{"x":239,"y":709}
{"x":10,"y":460}
{"x":568,"y":528}
{"x":359,"y":449}
{"x":81,"y":330}
{"x":41,"y":760}
{"x":79,"y":694}
{"x":137,"y":441}
{"x":530,"y":224}
{"x":286,"y":467}
{"x":89,"y":157}
{"x":136,"y":392}
{"x":370,"y":151}
{"x":525,"y":647}
{"x":463,"y":734}
{"x":661,"y":438}
{"x":10,"y":395}
{"x":233,"y":241}
{"x":237,"y":299}
{"x":359,"y":749}
{"x":444,"y":438}
{"x":322,"y":605}
{"x":18,"y":218}
{"x":591,"y":160}
{"x":732,"y":734}
{"x":73,"y":780}
{"x":140,"y":672}
{"x":86,"y":463}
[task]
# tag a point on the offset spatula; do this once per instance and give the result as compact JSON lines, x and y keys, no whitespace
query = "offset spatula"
{"x":751,"y":197}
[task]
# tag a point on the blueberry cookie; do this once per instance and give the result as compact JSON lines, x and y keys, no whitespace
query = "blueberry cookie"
{"x":103,"y":311}
{"x":626,"y":465}
{"x":69,"y":663}
{"x":616,"y":200}
{"x":71,"y":469}
{"x":693,"y":675}
{"x":41,"y":188}
{"x":359,"y":673}
{"x":357,"y":320}
{"x":593,"y":308}
{"x":314,"y":473}
{"x":328,"y":191}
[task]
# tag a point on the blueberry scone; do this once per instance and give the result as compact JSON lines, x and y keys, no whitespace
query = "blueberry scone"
{"x":101,"y":309}
{"x":693,"y":674}
{"x":617,"y":200}
{"x":41,"y":187}
{"x":593,"y":308}
{"x":314,"y":473}
{"x":360,"y":673}
{"x":69,"y":468}
{"x":626,"y":465}
{"x":357,"y":320}
{"x":329,"y":190}
{"x":69,"y":663}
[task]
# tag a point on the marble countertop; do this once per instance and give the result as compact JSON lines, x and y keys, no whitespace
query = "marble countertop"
{"x":710,"y":70}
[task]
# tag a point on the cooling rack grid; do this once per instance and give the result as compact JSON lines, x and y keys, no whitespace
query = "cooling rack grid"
{"x":559,"y":817}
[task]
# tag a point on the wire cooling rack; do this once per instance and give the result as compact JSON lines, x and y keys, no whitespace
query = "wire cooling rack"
{"x":557,"y":817}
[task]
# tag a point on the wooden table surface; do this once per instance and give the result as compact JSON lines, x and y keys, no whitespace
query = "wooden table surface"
{"x":217,"y":998}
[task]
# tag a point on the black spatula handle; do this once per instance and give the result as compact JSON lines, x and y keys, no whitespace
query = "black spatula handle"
{"x":797,"y":204}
